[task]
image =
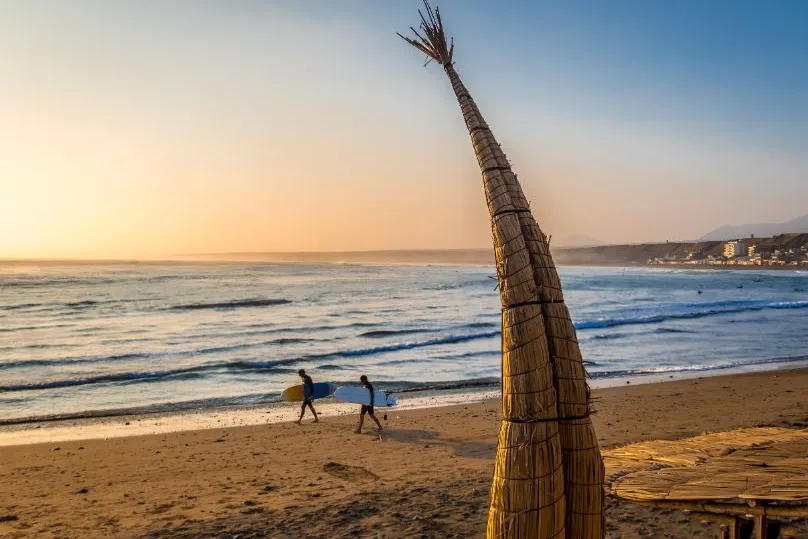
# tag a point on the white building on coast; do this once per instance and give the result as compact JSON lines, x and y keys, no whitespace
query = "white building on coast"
{"x":735,"y":248}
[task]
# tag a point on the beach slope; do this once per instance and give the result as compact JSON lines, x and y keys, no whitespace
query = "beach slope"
{"x":428,"y":475}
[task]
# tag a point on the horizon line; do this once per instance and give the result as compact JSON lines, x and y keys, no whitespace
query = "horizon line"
{"x":182,"y":257}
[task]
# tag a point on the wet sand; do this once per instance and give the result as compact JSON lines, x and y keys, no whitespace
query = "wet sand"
{"x":427,"y":475}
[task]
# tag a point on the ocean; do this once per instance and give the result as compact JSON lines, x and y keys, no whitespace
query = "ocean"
{"x":91,"y":339}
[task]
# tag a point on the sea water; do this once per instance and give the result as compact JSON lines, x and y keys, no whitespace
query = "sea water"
{"x":86,"y":339}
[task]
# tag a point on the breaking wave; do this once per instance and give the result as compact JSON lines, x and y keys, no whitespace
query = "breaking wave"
{"x":687,"y":311}
{"x":235,"y":304}
{"x":272,"y":365}
{"x":378,"y":334}
{"x":188,"y":372}
{"x":668,"y":369}
{"x":450,"y":339}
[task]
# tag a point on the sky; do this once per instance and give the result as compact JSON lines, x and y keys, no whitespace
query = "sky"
{"x":145,"y":128}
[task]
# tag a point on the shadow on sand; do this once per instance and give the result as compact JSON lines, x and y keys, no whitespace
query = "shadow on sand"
{"x":426,"y":438}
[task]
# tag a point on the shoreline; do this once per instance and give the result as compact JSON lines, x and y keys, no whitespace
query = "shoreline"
{"x":87,"y":426}
{"x":800,"y":267}
{"x":428,"y":474}
{"x":700,"y":267}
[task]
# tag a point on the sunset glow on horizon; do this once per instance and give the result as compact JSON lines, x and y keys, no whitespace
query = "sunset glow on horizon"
{"x":162,"y":129}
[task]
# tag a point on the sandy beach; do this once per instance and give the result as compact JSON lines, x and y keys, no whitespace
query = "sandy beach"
{"x":427,"y":475}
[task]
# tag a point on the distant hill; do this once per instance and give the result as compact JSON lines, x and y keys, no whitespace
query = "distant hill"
{"x":628,"y":255}
{"x":729,"y":232}
{"x":639,"y":254}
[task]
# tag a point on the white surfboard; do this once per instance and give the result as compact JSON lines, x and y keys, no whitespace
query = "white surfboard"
{"x":360,"y":395}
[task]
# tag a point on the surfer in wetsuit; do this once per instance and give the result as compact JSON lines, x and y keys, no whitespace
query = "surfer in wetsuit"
{"x":367,"y":409}
{"x":308,"y":396}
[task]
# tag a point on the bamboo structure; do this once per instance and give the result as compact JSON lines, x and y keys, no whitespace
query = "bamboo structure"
{"x":548,"y":476}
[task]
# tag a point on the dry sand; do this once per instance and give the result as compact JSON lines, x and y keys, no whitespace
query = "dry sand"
{"x":426,"y":476}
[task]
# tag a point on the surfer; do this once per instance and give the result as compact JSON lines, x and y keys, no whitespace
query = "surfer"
{"x":367,"y":409}
{"x":308,"y":396}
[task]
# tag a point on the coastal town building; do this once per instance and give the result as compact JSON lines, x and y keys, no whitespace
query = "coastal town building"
{"x":734,"y":248}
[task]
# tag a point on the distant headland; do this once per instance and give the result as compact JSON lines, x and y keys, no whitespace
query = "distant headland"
{"x":787,"y":251}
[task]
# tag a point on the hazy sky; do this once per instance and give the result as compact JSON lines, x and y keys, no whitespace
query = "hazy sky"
{"x":146,"y":128}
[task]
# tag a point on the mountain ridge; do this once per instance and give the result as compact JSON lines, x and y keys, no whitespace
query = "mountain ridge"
{"x":731,"y":232}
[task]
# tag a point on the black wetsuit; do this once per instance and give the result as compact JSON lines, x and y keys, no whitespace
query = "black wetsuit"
{"x":308,"y":394}
{"x":368,"y":409}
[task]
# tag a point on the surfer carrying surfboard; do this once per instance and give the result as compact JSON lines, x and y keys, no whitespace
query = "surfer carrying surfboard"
{"x":308,"y":396}
{"x":367,"y":408}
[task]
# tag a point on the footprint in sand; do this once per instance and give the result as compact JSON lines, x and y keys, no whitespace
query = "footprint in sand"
{"x":349,"y":473}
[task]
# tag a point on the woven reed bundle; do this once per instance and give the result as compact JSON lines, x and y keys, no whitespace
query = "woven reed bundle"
{"x":549,"y":472}
{"x":583,"y":465}
{"x":527,"y":493}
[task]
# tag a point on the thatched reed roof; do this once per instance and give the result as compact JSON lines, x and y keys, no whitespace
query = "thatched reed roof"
{"x":746,"y":464}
